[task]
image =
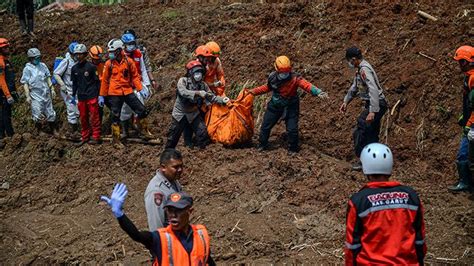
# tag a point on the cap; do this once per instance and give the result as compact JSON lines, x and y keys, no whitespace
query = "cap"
{"x":179,"y":200}
{"x":353,"y":52}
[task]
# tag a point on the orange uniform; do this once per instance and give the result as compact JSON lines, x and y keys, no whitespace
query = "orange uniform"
{"x":469,"y":87}
{"x":120,"y":78}
{"x":287,"y":90}
{"x":100,"y":70}
{"x":3,"y":80}
{"x":178,"y":255}
{"x":215,"y":72}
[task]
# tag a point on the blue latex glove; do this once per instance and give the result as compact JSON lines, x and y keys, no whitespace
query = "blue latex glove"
{"x":117,"y":199}
{"x":101,"y":101}
{"x":144,"y":93}
{"x":73,"y":100}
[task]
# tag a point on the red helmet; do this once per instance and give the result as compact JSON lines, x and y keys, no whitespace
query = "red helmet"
{"x":465,"y":52}
{"x":202,"y":50}
{"x":194,"y":64}
{"x":4,"y":42}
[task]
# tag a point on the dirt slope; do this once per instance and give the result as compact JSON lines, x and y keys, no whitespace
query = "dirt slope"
{"x":288,"y":209}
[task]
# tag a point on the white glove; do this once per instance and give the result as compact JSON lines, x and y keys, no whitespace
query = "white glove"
{"x":217,"y":84}
{"x":470,"y":135}
{"x":10,"y":100}
{"x":28,"y":98}
{"x":53,"y":93}
{"x":323,"y":95}
{"x":221,"y":100}
{"x":201,"y":94}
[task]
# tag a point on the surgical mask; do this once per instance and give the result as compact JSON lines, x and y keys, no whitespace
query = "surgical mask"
{"x":111,"y":56}
{"x":36,"y":61}
{"x":284,"y":75}
{"x":130,"y":48}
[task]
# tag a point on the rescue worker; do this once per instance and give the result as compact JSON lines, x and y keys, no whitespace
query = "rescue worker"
{"x":163,"y":184}
{"x":202,"y":53}
{"x":284,"y":84}
{"x":97,"y":56}
{"x":131,"y":51}
{"x":465,"y":56}
{"x":366,"y":85}
{"x":62,"y":75}
{"x":86,"y":86}
{"x":384,"y":222}
{"x":146,"y":58}
{"x":39,"y":91}
{"x":25,"y":10}
{"x":191,"y":93}
{"x":119,"y":80}
{"x":214,"y":71}
{"x":8,"y":93}
{"x":180,"y":243}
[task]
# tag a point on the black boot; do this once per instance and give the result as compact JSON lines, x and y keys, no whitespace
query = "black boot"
{"x":125,"y":129}
{"x":30,"y":28}
{"x":53,"y":128}
{"x":464,"y":177}
{"x":23,"y":28}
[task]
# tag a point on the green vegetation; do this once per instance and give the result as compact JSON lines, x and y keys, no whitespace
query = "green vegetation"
{"x":10,"y":5}
{"x":170,"y":14}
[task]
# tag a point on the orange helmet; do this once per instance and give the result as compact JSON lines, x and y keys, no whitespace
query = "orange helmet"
{"x":202,"y":50}
{"x":96,"y":52}
{"x":214,"y":48}
{"x":465,"y":52}
{"x":282,"y":64}
{"x":4,"y":42}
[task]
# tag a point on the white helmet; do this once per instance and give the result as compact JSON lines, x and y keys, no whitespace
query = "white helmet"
{"x":80,"y":49}
{"x":376,"y":158}
{"x":114,"y":44}
{"x":33,"y":52}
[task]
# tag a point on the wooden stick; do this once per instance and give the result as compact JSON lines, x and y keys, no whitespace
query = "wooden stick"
{"x":236,"y":227}
{"x":426,"y":56}
{"x":426,"y":15}
{"x":395,"y":107}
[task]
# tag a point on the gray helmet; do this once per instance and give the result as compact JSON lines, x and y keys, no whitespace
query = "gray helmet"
{"x":80,"y":49}
{"x":33,"y":52}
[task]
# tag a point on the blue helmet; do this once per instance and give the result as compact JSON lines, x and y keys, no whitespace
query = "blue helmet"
{"x":128,"y":38}
{"x":72,"y":46}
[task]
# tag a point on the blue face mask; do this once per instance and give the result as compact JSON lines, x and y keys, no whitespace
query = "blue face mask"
{"x":36,"y":61}
{"x":130,"y":47}
{"x":284,"y":75}
{"x":111,"y":56}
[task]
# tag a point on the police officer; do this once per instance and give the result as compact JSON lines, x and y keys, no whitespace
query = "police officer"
{"x":366,"y":85}
{"x":163,"y":184}
{"x":384,"y":223}
{"x":180,"y":243}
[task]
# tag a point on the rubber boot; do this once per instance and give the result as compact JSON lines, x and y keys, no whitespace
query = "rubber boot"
{"x":30,"y":28}
{"x":464,"y":177}
{"x":125,"y":129}
{"x":74,"y":132}
{"x":116,"y":136}
{"x":23,"y":28}
{"x":143,"y":129}
{"x":53,"y":128}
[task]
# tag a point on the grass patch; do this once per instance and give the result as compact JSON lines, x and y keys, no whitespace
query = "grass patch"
{"x":19,"y":61}
{"x":170,"y":14}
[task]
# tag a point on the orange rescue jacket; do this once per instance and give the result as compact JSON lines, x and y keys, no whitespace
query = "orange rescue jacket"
{"x":120,"y":78}
{"x":215,"y":72}
{"x":287,"y":90}
{"x":3,"y":80}
{"x":173,"y":252}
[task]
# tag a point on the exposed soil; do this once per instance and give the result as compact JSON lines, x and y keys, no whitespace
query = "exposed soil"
{"x":288,"y":209}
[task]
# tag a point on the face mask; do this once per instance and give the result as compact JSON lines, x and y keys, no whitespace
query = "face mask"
{"x":284,"y":75}
{"x":111,"y":56}
{"x":351,"y":65}
{"x":197,"y":76}
{"x":36,"y":61}
{"x":131,"y":47}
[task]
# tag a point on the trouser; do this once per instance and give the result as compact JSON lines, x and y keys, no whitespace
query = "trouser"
{"x":127,"y":112}
{"x":6,"y":128}
{"x":116,"y":103}
{"x":90,"y":121}
{"x":71,"y":109}
{"x":42,"y":109}
{"x":463,"y":151}
{"x":366,"y":133}
{"x":177,"y":127}
{"x":271,"y":117}
{"x":25,"y":7}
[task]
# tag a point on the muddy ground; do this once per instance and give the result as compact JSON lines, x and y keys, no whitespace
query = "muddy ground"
{"x":288,"y":209}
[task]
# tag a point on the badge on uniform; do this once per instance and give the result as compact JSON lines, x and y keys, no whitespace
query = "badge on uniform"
{"x":158,"y":198}
{"x":86,"y":74}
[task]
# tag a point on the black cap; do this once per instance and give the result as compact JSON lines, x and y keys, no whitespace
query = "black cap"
{"x":179,"y":200}
{"x":353,"y":52}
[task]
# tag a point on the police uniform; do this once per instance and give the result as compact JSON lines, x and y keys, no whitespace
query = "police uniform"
{"x":156,"y":193}
{"x":366,"y":86}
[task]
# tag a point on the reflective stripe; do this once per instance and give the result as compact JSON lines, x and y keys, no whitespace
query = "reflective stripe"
{"x":170,"y":250}
{"x":419,"y":242}
{"x":355,"y":246}
{"x":387,"y":207}
{"x":201,"y":235}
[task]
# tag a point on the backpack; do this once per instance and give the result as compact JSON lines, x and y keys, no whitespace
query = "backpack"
{"x":58,"y":61}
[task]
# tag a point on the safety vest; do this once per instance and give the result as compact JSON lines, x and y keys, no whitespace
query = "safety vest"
{"x":173,"y":252}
